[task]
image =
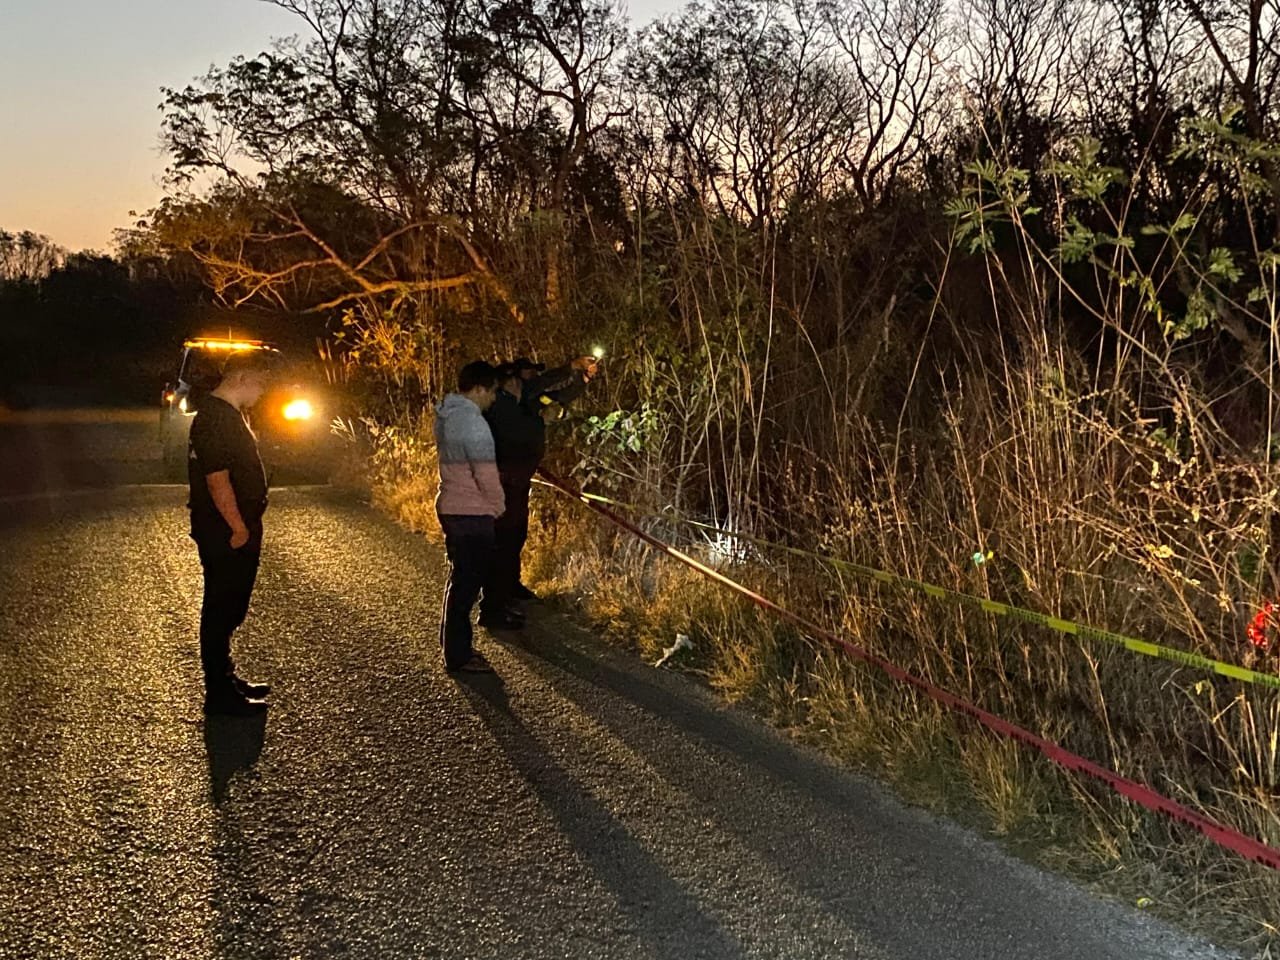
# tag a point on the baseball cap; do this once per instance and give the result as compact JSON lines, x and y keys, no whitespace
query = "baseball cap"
{"x":520,"y":364}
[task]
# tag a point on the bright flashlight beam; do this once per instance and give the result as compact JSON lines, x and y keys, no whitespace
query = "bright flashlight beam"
{"x":598,"y":353}
{"x":298,"y":410}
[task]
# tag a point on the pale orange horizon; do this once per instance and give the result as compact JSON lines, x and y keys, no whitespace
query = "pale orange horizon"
{"x":79,"y":89}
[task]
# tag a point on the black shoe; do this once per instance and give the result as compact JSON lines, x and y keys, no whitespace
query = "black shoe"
{"x":521,"y":592}
{"x":234,"y":705}
{"x":503,"y":620}
{"x":247,"y":688}
{"x":477,"y":664}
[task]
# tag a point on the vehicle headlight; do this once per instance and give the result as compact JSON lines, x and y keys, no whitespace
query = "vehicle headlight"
{"x":298,"y":410}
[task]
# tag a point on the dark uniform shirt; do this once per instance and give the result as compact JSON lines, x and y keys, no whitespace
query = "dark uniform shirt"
{"x":519,"y":432}
{"x":222,"y":440}
{"x":519,"y":436}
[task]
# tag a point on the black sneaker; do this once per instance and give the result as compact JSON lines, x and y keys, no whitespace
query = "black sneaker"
{"x":477,"y":664}
{"x":247,"y":688}
{"x":503,"y":620}
{"x":234,"y":704}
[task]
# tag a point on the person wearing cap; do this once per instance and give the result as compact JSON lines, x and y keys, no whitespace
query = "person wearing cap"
{"x":526,"y":390}
{"x":228,"y":496}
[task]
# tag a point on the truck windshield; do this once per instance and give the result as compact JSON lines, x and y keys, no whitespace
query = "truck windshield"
{"x":202,"y":366}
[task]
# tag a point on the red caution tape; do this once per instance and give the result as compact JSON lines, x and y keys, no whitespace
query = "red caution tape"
{"x":1233,"y":840}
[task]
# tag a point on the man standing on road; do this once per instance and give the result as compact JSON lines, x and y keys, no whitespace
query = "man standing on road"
{"x":228,"y":498}
{"x":519,"y":436}
{"x":469,"y":501}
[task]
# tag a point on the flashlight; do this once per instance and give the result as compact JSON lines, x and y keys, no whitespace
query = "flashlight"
{"x":598,"y":352}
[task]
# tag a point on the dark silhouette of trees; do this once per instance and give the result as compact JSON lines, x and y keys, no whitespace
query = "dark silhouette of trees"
{"x":437,"y":125}
{"x":463,"y":166}
{"x":26,"y":256}
{"x":94,"y":328}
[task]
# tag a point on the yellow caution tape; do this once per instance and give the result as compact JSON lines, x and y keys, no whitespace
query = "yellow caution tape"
{"x":1070,"y":627}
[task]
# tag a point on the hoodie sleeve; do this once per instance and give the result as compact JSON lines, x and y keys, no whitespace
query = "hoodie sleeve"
{"x":484,"y":465}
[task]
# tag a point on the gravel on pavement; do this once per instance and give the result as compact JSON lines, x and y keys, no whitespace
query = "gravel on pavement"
{"x":576,"y":804}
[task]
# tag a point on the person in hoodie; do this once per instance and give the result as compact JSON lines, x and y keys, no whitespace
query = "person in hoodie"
{"x":469,"y":502}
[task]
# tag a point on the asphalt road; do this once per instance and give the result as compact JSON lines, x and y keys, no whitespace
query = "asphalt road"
{"x":578,"y":804}
{"x":45,"y":451}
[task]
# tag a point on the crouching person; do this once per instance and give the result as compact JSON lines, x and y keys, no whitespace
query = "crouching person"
{"x":469,"y":501}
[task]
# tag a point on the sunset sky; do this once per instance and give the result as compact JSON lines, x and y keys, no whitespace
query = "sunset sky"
{"x":79,"y":87}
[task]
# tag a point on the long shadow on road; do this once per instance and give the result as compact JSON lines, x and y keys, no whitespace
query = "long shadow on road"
{"x":245,"y":897}
{"x":789,"y":841}
{"x":832,"y":835}
{"x":665,"y":916}
{"x":232,"y":744}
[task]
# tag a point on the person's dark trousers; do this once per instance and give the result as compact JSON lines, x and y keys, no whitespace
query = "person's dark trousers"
{"x":468,"y":541}
{"x":510,"y":531}
{"x":229,"y":576}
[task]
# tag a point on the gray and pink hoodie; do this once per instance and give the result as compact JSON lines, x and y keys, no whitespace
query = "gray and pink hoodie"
{"x":469,"y":483}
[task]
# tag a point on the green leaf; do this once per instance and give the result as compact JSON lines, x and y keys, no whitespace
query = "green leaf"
{"x":1184,"y":223}
{"x":1222,"y":264}
{"x":1078,"y":242}
{"x":1198,"y":316}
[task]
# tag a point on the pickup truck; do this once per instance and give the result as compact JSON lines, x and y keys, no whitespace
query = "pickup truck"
{"x":290,"y":420}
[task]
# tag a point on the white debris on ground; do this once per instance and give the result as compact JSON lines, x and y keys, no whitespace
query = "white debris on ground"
{"x":682,"y":643}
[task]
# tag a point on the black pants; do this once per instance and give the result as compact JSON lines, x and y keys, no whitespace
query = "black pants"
{"x":468,"y":540}
{"x":510,"y":531}
{"x":229,"y":576}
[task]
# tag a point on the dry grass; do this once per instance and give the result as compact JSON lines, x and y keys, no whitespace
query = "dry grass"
{"x":1088,"y":516}
{"x":932,"y":758}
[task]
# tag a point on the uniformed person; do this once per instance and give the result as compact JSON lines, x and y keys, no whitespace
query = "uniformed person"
{"x":527,"y":390}
{"x":228,"y":498}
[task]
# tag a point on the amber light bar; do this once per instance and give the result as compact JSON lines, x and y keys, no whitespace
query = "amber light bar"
{"x":211,"y":344}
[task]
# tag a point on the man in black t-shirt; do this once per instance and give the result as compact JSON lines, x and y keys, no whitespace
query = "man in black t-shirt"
{"x":228,"y":498}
